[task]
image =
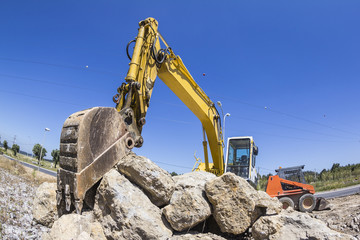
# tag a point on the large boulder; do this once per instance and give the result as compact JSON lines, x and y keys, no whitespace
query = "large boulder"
{"x":75,"y":226}
{"x":155,"y":182}
{"x":234,"y":203}
{"x":197,"y":236}
{"x":188,"y":205}
{"x":272,"y":205}
{"x":125,"y":212}
{"x":290,"y":224}
{"x":44,"y":206}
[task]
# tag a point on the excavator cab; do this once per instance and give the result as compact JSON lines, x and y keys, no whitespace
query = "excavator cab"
{"x":241,"y":158}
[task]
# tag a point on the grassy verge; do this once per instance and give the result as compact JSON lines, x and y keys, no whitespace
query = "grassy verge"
{"x":30,"y":160}
{"x":30,"y":174}
{"x":334,"y":184}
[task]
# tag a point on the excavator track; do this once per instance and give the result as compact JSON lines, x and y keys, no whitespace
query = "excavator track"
{"x":91,"y":143}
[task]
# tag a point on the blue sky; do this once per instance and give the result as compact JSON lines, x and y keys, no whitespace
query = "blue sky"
{"x":287,"y":72}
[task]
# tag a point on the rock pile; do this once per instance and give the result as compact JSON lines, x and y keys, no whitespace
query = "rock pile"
{"x":44,"y":206}
{"x":139,"y":200}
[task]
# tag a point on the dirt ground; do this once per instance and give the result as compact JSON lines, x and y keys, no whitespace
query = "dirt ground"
{"x":344,"y":215}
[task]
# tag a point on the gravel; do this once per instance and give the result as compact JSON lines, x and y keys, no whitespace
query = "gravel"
{"x":344,"y":216}
{"x":16,"y":197}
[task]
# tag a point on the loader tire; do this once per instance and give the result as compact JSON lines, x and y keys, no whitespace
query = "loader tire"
{"x":287,"y":202}
{"x":307,"y":203}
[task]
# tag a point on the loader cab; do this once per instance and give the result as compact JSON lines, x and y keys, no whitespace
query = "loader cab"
{"x":241,"y":158}
{"x":292,"y":173}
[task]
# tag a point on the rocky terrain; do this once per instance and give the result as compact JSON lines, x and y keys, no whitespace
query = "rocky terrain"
{"x":344,"y":215}
{"x":16,"y":201}
{"x":18,"y":186}
{"x":139,"y":200}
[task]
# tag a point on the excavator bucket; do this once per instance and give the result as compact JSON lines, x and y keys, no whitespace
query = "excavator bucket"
{"x":91,"y":143}
{"x":322,"y":204}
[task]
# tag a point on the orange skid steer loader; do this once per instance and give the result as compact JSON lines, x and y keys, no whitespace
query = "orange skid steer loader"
{"x":290,"y":188}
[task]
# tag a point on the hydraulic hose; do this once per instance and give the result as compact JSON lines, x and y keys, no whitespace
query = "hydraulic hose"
{"x":160,"y":56}
{"x":127,"y":48}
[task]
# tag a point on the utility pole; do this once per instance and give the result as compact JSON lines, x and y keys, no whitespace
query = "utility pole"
{"x":14,"y":141}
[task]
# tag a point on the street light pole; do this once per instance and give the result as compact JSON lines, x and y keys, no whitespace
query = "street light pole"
{"x":226,"y":115}
{"x":46,"y":130}
{"x":220,"y":106}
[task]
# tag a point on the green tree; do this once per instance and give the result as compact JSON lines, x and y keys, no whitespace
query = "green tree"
{"x":174,"y":174}
{"x":262,"y":181}
{"x":15,"y":148}
{"x":36,"y":151}
{"x":6,"y":146}
{"x":335,"y":166}
{"x":56,"y":156}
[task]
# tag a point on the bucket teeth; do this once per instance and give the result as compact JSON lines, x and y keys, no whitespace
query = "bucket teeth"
{"x":58,"y":197}
{"x":68,"y":202}
{"x":78,"y":206}
{"x":67,"y":197}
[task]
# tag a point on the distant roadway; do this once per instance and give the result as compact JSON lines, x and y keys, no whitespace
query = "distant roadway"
{"x":342,"y":192}
{"x":43,"y":170}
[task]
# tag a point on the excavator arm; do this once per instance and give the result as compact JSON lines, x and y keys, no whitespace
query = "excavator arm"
{"x":133,"y":98}
{"x":93,"y":140}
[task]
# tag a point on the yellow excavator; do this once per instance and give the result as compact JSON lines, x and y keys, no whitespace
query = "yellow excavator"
{"x":92,"y":141}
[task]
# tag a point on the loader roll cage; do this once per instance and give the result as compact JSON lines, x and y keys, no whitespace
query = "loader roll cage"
{"x":292,"y":173}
